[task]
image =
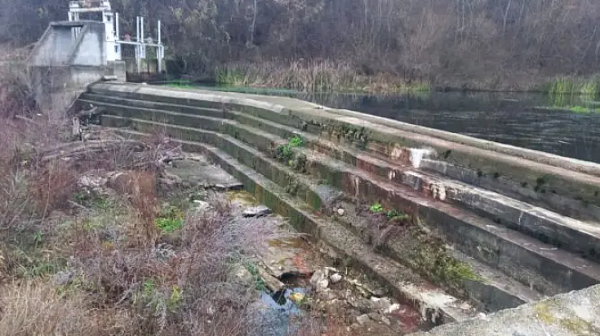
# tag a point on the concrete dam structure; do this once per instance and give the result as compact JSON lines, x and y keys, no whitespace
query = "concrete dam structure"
{"x":474,"y":226}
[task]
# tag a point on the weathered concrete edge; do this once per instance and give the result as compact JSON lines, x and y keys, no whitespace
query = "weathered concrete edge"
{"x":420,"y":182}
{"x":566,"y":206}
{"x":571,"y":314}
{"x":251,"y":100}
{"x":392,"y":144}
{"x":525,"y":153}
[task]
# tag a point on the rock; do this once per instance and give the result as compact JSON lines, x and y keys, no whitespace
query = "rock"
{"x":363,"y":319}
{"x":258,"y":211}
{"x":63,"y":278}
{"x":392,"y":308}
{"x":201,"y":205}
{"x":319,"y":280}
{"x":164,"y":251}
{"x":330,"y":296}
{"x":244,"y":276}
{"x":386,"y":320}
{"x":335,"y":278}
{"x":362,"y":305}
{"x":270,"y":281}
{"x":341,"y":212}
{"x":382,"y":304}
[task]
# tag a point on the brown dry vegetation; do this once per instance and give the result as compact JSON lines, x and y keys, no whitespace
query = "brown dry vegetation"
{"x":486,"y":44}
{"x":83,"y":259}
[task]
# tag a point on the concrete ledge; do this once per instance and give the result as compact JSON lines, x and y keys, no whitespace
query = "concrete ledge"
{"x":572,"y":314}
{"x":562,"y":176}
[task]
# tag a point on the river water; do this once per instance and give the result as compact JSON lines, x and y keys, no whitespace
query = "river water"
{"x":529,"y":120}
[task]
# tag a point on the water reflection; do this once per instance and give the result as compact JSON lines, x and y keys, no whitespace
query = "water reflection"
{"x":527,"y":120}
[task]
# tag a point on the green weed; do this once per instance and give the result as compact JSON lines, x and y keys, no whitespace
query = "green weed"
{"x":170,"y":219}
{"x":296,"y":141}
{"x":259,"y":283}
{"x":396,"y":216}
{"x":583,"y":109}
{"x":285,"y":153}
{"x":169,"y":225}
{"x":376,"y":208}
{"x":180,"y":84}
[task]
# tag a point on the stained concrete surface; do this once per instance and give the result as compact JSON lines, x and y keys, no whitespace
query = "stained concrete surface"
{"x":197,"y":171}
{"x":571,"y":314}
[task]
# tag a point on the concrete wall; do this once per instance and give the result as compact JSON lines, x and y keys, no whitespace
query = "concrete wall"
{"x":56,"y":87}
{"x":89,"y":50}
{"x":61,"y":66}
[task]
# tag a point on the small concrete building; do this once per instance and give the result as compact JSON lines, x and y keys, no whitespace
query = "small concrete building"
{"x":72,"y":54}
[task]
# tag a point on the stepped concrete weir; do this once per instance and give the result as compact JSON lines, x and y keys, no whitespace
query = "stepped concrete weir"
{"x":474,"y":226}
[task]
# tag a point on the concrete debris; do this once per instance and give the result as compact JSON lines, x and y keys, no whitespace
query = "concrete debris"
{"x":164,"y":251}
{"x":335,"y":278}
{"x":382,"y":304}
{"x":201,"y":205}
{"x":367,"y":290}
{"x":363,"y":319}
{"x":91,"y":183}
{"x":271,"y":282}
{"x":391,"y":309}
{"x":258,"y":211}
{"x":341,"y":212}
{"x":319,"y":281}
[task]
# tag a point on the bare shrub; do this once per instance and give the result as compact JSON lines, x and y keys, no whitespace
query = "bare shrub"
{"x":36,"y":309}
{"x":16,"y":97}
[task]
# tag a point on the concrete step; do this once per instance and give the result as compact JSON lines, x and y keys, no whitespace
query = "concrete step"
{"x":435,"y":305}
{"x":322,"y":197}
{"x":563,"y":185}
{"x":550,"y":227}
{"x":541,"y":196}
{"x":488,"y":289}
{"x":538,"y":265}
{"x":569,"y":314}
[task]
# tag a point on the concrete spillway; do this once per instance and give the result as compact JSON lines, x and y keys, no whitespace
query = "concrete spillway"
{"x":523,"y":225}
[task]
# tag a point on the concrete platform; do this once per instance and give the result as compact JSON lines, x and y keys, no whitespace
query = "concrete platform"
{"x":571,"y":314}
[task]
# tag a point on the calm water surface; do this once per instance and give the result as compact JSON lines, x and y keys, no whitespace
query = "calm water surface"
{"x":520,"y":119}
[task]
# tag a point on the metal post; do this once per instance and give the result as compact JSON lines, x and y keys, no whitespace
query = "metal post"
{"x":137,"y":28}
{"x":159,"y":51}
{"x":142,"y":27}
{"x":117,"y":26}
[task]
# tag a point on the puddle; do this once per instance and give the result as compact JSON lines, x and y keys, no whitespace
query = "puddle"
{"x":280,"y":313}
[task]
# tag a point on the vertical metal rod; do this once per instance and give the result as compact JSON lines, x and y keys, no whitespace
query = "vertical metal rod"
{"x":159,"y":35}
{"x":142,"y":27}
{"x":159,"y":50}
{"x":117,"y":26}
{"x":138,"y":49}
